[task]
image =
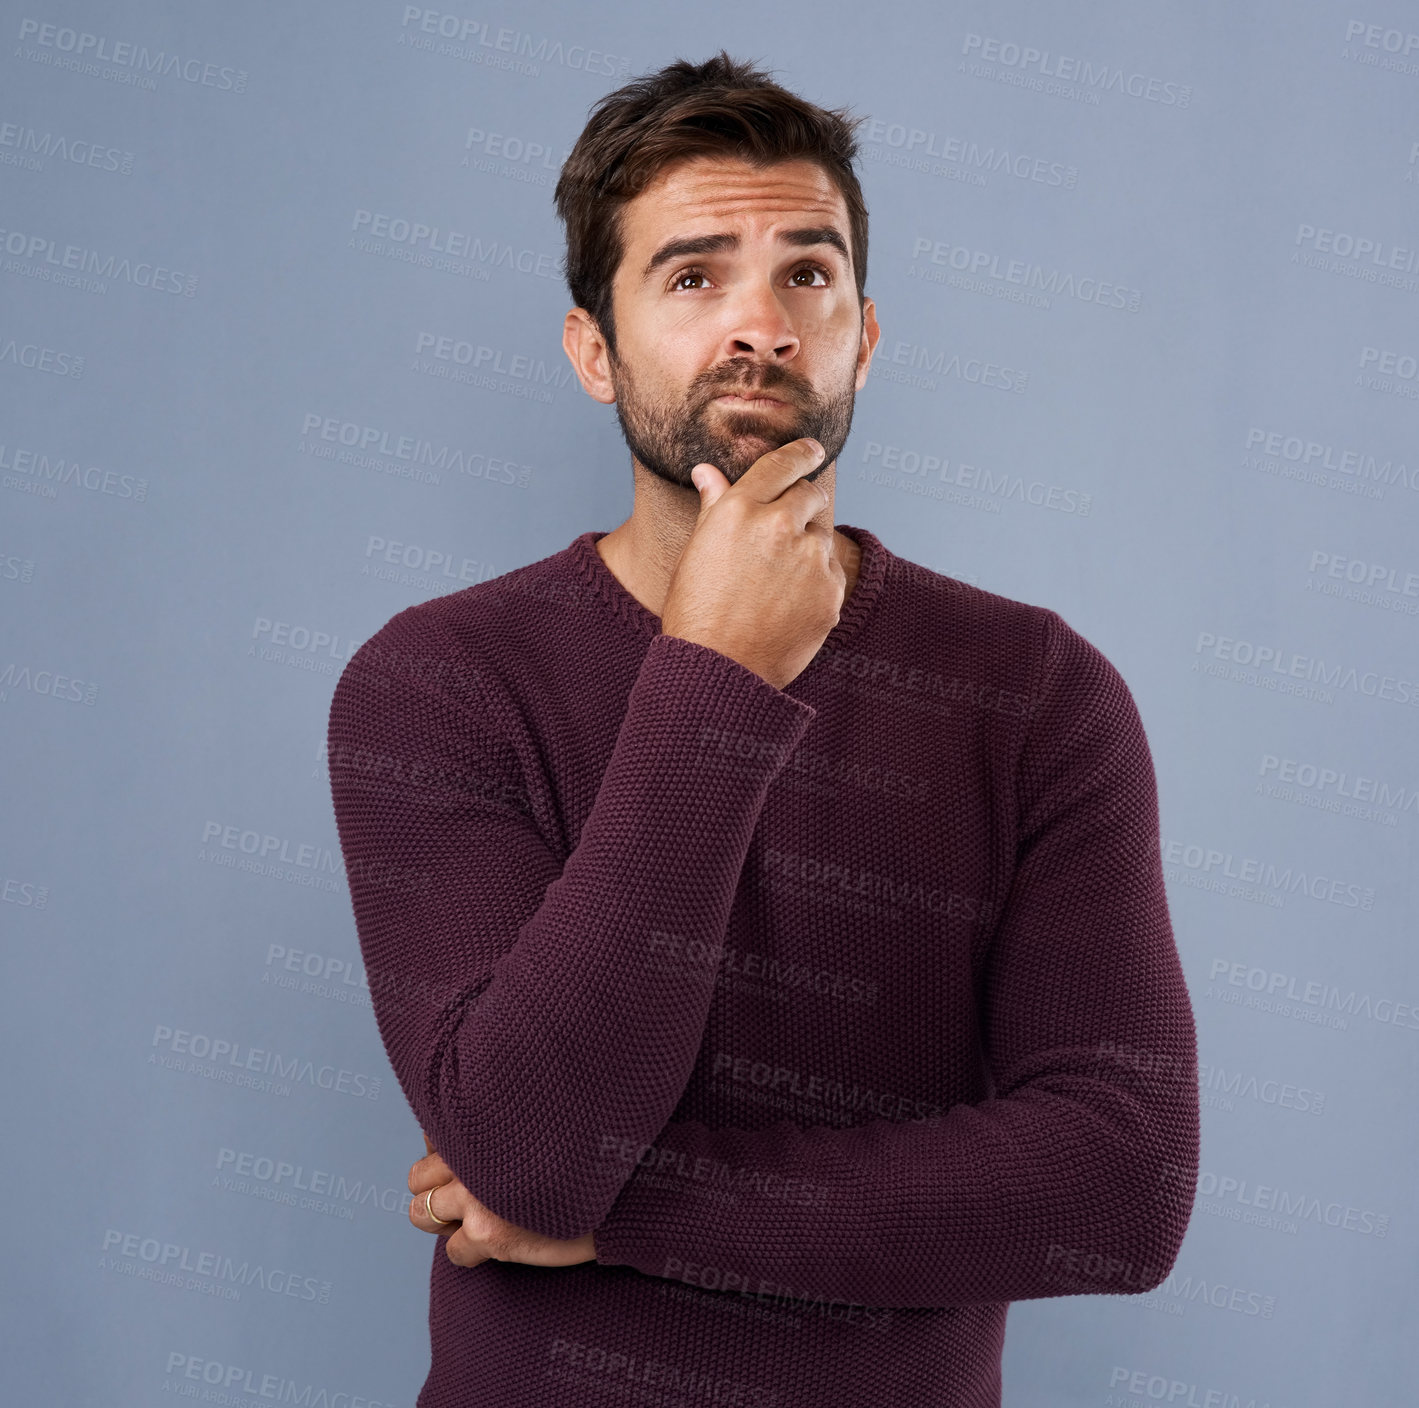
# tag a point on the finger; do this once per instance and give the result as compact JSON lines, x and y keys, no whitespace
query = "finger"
{"x":803,"y":501}
{"x":776,"y":471}
{"x":709,"y":482}
{"x":428,"y":1144}
{"x":463,"y":1249}
{"x":433,"y":1171}
{"x":428,"y":1173}
{"x":443,"y":1212}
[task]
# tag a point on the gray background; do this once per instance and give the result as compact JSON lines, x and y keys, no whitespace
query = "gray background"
{"x":228,"y":454}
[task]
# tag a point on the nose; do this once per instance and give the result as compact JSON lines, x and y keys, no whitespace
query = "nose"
{"x":758,"y":325}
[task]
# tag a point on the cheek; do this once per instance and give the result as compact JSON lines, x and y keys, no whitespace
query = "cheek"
{"x":670,"y":353}
{"x":686,"y":332}
{"x":832,"y":346}
{"x":648,"y":386}
{"x":833,"y":332}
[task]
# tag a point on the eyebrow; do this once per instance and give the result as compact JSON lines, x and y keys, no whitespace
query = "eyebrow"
{"x":718,"y":244}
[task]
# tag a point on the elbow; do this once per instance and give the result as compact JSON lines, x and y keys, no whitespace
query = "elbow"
{"x":1156,"y":1206}
{"x":1151,"y":1239}
{"x":1124,"y":1236}
{"x":1174,"y":1211}
{"x":1122,"y":1256}
{"x":1137,"y":1235}
{"x":531,"y":1185}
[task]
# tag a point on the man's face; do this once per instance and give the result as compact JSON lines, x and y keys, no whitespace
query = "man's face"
{"x":738,"y":324}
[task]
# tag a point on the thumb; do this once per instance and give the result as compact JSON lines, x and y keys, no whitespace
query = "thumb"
{"x":710,"y":482}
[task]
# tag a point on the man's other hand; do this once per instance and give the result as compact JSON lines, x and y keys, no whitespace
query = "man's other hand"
{"x":478,"y":1234}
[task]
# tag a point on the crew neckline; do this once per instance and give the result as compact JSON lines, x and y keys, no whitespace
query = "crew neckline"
{"x":871,"y":577}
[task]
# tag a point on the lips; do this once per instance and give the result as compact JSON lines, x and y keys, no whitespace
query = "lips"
{"x":751,"y":398}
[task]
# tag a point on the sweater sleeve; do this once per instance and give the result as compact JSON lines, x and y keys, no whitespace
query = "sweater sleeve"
{"x":517,"y":995}
{"x":1077,"y":1175}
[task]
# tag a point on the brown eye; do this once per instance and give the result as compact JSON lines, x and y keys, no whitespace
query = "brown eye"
{"x":688,"y":274}
{"x":812,"y":271}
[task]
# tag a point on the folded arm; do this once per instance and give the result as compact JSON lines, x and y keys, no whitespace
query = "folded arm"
{"x":520,"y":999}
{"x":1077,"y":1175}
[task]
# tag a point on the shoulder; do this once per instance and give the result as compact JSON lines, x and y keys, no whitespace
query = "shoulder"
{"x":986,"y":634}
{"x":449,"y":642}
{"x":1067,"y":696}
{"x":409,"y":725}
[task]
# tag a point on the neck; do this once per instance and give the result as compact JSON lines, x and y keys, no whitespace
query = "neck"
{"x":643,"y":552}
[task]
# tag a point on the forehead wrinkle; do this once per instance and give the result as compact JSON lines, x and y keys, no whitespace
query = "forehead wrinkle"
{"x":774,"y":198}
{"x":735,"y":186}
{"x":713,"y":215}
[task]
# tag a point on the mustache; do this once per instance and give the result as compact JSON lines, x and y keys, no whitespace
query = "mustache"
{"x":742,"y":376}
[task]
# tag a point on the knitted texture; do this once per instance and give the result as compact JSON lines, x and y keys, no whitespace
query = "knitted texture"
{"x":842,"y":1015}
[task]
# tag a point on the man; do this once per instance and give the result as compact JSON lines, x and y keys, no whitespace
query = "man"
{"x":768,"y":933}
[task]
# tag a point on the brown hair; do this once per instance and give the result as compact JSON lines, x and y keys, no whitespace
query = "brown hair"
{"x":722,"y":107}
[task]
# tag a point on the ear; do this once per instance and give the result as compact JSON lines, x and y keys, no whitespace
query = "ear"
{"x":586,"y":350}
{"x":870,"y":334}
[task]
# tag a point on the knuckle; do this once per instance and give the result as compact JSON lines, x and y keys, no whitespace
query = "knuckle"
{"x":781,"y":530}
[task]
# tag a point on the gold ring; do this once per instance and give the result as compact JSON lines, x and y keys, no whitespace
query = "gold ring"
{"x":429,"y":1208}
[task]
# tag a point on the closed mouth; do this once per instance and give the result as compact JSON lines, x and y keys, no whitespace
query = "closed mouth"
{"x":750,"y":399}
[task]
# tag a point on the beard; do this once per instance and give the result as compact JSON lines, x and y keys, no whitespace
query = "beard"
{"x":669,"y":439}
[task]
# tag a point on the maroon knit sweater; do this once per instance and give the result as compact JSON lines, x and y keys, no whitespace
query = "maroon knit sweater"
{"x":843,"y":1014}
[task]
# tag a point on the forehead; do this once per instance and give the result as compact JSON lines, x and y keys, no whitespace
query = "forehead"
{"x":703,"y":195}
